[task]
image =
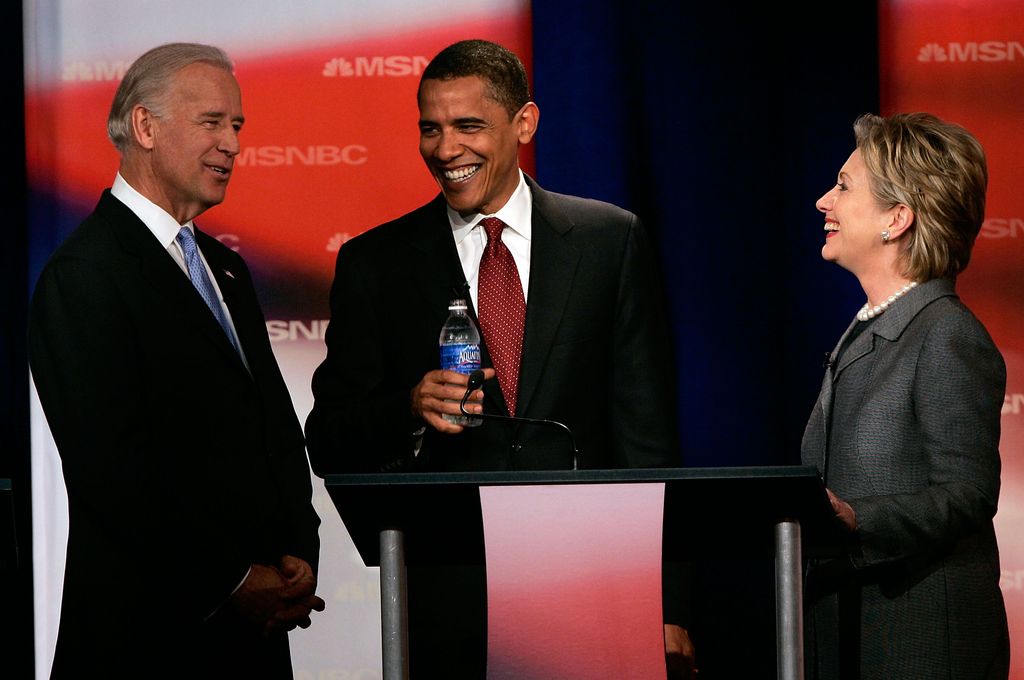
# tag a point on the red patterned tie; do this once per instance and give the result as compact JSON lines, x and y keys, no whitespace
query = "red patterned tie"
{"x":501,"y":310}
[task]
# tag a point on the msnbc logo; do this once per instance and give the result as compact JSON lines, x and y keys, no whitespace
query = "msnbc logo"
{"x":988,"y":51}
{"x":281,"y":330}
{"x":1002,"y":227}
{"x":272,"y":156}
{"x":91,"y":71}
{"x":395,"y":66}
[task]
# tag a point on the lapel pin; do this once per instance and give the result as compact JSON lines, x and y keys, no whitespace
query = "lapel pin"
{"x":229,"y":274}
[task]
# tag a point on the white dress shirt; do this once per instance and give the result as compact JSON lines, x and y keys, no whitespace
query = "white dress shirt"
{"x":471,"y":238}
{"x":165,"y":229}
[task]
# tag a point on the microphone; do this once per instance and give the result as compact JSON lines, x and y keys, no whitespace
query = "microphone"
{"x":476,"y":381}
{"x":461,"y":290}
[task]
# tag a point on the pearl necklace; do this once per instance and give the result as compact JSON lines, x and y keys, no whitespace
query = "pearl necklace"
{"x":867,"y":312}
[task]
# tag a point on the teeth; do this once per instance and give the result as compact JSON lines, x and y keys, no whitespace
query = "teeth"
{"x":218,"y":170}
{"x":831,"y":226}
{"x":461,"y":174}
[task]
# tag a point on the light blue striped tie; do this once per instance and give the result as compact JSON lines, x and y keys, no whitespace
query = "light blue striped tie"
{"x":197,"y":272}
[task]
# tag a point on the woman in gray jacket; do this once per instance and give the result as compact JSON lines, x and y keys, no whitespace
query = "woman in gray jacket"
{"x":906,"y":428}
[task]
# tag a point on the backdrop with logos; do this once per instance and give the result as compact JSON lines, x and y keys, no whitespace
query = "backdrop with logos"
{"x":964,"y":62}
{"x":329,"y":151}
{"x":719,"y":135}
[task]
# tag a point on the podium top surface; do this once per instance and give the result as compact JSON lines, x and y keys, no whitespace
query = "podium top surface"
{"x":725,"y":511}
{"x":519,"y":477}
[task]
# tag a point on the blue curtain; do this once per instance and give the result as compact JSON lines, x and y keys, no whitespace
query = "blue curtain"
{"x":720,"y":133}
{"x":720,"y":127}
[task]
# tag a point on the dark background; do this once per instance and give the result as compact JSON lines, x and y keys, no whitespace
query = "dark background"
{"x":15,"y":581}
{"x":720,"y":127}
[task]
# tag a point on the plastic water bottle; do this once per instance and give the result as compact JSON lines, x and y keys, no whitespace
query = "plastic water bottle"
{"x":460,"y":350}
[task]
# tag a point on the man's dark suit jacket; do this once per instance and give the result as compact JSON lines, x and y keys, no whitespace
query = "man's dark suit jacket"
{"x":596,"y":356}
{"x":182,"y":467}
{"x":596,"y":352}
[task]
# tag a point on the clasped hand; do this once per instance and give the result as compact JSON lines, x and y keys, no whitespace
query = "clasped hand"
{"x":277,"y":599}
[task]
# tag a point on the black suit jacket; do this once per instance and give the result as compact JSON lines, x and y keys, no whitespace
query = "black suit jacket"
{"x":596,"y":350}
{"x":182,"y":467}
{"x":595,"y":357}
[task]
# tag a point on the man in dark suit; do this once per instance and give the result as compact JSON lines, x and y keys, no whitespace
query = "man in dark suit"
{"x":193,"y":542}
{"x":573,"y":331}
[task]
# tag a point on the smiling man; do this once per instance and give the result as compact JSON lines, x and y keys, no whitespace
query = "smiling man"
{"x":569,"y":306}
{"x":193,"y":542}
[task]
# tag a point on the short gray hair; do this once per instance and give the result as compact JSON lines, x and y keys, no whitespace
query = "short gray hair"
{"x":147,"y":80}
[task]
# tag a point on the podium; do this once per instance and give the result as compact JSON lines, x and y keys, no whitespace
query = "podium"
{"x":437,"y":518}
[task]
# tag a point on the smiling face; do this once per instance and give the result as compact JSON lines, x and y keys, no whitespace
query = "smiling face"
{"x":192,"y":142}
{"x":854,"y":221}
{"x":470,"y":144}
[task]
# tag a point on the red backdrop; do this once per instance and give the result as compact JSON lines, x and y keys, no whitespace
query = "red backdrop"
{"x":964,"y":62}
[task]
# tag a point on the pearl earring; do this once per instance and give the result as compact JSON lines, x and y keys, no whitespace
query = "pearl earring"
{"x":885,"y":236}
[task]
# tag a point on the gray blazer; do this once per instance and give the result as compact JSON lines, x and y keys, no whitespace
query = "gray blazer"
{"x":906,"y":429}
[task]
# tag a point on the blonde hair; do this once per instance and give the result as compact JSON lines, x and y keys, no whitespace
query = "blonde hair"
{"x":938,"y":170}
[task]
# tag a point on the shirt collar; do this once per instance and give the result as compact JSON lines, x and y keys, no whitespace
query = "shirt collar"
{"x":517,"y":213}
{"x":164,"y":227}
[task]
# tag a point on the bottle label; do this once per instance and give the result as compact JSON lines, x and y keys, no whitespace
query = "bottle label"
{"x":464,"y":358}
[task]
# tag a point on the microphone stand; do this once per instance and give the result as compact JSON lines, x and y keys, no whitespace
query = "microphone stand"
{"x":476,"y":381}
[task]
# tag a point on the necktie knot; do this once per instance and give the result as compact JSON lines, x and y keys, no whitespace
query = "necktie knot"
{"x":187,"y":241}
{"x":493,"y":226}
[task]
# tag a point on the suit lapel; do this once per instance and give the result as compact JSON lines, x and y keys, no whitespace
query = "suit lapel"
{"x":553,"y":262}
{"x":893,"y":322}
{"x":173,"y":288}
{"x":890,"y":326}
{"x":861,"y":346}
{"x":828,"y":381}
{"x":436,"y":264}
{"x":229,"y":284}
{"x":436,"y":268}
{"x":896,"y":319}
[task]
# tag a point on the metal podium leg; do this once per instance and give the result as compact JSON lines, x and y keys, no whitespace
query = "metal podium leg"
{"x":394,"y":615}
{"x":789,"y":621}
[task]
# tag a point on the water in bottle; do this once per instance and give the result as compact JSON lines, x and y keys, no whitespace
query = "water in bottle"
{"x":460,"y":350}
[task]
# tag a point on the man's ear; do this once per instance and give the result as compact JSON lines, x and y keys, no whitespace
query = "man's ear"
{"x":143,"y":124}
{"x":526,"y":121}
